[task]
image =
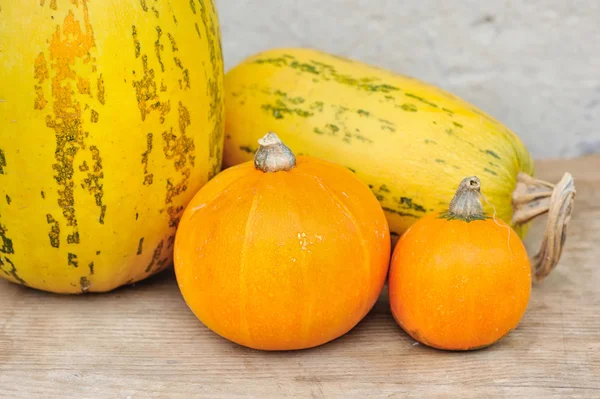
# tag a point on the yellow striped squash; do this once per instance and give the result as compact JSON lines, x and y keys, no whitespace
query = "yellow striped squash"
{"x":410,"y":141}
{"x":111,"y":118}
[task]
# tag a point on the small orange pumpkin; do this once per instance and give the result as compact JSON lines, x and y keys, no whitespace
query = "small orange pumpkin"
{"x":460,"y":279}
{"x":282,"y":253}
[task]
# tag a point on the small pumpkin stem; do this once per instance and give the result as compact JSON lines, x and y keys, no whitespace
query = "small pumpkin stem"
{"x":466,"y":204}
{"x":272,"y":155}
{"x":532,"y":198}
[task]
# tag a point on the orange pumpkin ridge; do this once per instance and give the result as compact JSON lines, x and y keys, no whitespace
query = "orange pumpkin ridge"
{"x":459,"y":279}
{"x":282,"y":252}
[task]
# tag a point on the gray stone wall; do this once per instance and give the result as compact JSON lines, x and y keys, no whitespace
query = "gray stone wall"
{"x":534,"y":65}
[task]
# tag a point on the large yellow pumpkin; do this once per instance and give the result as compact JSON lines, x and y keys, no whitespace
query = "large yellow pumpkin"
{"x":111,"y":118}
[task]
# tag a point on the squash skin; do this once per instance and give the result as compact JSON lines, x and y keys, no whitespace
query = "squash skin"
{"x":111,"y":119}
{"x":459,"y":285}
{"x":282,"y":260}
{"x":408,"y":140}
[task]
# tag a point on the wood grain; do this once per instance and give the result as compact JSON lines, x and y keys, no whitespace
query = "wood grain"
{"x":143,"y":342}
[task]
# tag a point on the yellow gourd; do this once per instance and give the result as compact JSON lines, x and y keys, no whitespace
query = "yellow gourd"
{"x":408,"y":140}
{"x":111,"y":118}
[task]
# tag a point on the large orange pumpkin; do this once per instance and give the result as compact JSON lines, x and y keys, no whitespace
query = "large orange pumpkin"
{"x":459,"y":279}
{"x":282,"y":253}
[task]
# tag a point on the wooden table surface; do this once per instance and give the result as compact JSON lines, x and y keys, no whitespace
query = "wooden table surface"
{"x":143,"y":342}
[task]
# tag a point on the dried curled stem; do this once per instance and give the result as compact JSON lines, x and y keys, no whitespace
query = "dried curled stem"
{"x":532,"y":198}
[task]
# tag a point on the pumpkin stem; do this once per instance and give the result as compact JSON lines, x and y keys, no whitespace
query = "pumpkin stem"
{"x":532,"y":198}
{"x":466,"y":204}
{"x":272,"y":155}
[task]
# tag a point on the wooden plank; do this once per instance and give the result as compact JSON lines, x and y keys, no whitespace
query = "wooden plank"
{"x":143,"y":342}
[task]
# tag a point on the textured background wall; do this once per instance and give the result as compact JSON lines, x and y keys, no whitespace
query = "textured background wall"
{"x":533,"y":65}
